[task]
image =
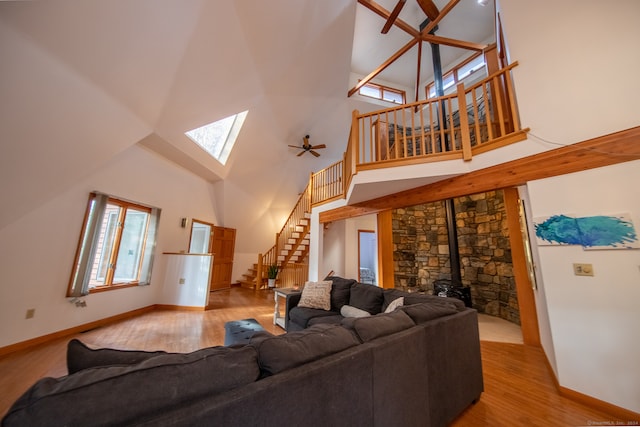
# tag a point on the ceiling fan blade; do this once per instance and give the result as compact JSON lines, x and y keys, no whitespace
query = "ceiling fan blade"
{"x":314,"y":153}
{"x":295,"y":146}
{"x":318,"y":146}
{"x":394,"y":15}
{"x":301,"y":153}
{"x":429,"y":8}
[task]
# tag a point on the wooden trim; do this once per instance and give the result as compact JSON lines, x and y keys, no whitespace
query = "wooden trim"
{"x":500,"y":142}
{"x":526,"y":299}
{"x":601,"y":151}
{"x":179,"y":307}
{"x":601,"y":405}
{"x":74,"y":330}
{"x":385,"y":250}
{"x":592,"y":402}
{"x":406,"y":161}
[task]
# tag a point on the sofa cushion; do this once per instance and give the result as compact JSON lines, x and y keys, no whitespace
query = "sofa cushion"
{"x":350,"y":311}
{"x":369,"y":328}
{"x":398,"y":302}
{"x":366,"y":297}
{"x":79,"y":356}
{"x":340,"y":291}
{"x":336,"y":319}
{"x":415,"y":298}
{"x":302,"y":315}
{"x":421,"y":313}
{"x":293,"y":349}
{"x":316,"y":295}
{"x":124,"y":395}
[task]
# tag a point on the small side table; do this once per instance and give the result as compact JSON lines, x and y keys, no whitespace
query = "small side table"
{"x":285,"y":293}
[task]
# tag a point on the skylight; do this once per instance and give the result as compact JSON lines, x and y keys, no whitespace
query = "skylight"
{"x":217,"y":138}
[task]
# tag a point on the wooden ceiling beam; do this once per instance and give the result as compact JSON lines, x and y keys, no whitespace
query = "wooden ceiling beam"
{"x":384,"y":65}
{"x":429,"y":8}
{"x":445,"y":10}
{"x":453,"y":42}
{"x":394,"y":15}
{"x":384,"y":13}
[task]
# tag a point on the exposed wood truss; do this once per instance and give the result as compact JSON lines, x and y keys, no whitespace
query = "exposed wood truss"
{"x":391,"y":17}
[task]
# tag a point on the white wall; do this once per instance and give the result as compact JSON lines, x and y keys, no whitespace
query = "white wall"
{"x":576,"y":80}
{"x":37,"y":250}
{"x":334,"y":248}
{"x":595,"y":321}
{"x":578,"y":66}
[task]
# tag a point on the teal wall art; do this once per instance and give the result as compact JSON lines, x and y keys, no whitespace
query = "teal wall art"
{"x":591,"y":232}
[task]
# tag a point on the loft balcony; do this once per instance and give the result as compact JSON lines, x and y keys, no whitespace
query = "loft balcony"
{"x":445,"y":132}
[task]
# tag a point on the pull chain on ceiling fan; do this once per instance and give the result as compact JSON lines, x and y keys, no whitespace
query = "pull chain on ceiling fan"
{"x":306,"y":146}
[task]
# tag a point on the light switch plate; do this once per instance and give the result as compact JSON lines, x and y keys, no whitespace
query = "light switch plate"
{"x":583,"y":269}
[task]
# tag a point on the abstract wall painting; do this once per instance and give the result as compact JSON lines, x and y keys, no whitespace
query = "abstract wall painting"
{"x":591,"y":232}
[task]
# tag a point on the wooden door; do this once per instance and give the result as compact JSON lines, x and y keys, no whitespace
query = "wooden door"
{"x":224,"y":242}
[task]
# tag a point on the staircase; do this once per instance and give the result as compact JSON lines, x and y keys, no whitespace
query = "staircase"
{"x":290,"y":252}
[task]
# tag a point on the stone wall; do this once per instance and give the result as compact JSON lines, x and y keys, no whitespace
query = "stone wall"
{"x":421,"y":251}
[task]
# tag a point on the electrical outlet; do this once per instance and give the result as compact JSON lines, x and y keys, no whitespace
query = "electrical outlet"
{"x":30,"y":313}
{"x":583,"y":269}
{"x":181,"y":281}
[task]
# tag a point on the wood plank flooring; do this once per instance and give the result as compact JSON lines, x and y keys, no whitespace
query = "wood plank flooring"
{"x":519,"y":389}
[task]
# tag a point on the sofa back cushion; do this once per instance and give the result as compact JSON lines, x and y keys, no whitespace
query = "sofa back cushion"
{"x":416,"y":298}
{"x":293,"y":349}
{"x":123,"y":395}
{"x":370,"y":328}
{"x":340,"y":291}
{"x":80,"y":357}
{"x":366,"y":297}
{"x":422,"y":313}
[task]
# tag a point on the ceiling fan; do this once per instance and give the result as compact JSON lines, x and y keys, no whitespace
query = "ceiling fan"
{"x":306,"y":146}
{"x":427,"y":6}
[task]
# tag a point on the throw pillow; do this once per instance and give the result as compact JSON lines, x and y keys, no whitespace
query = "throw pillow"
{"x":316,"y":295}
{"x":366,"y":297}
{"x":349,"y":311}
{"x":398,"y":302}
{"x":340,"y":290}
{"x":80,"y":357}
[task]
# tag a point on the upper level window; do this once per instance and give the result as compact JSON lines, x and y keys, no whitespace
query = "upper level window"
{"x":383,"y":93}
{"x":116,"y":245}
{"x":458,"y":74}
{"x":217,"y":138}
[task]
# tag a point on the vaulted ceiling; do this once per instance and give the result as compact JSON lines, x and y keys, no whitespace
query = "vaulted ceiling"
{"x":81,"y":81}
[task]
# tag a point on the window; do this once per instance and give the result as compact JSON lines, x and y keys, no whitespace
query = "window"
{"x":217,"y":138}
{"x":458,"y":74}
{"x":116,"y":246}
{"x":383,"y":93}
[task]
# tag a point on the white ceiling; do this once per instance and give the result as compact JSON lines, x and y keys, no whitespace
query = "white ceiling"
{"x":83,"y":80}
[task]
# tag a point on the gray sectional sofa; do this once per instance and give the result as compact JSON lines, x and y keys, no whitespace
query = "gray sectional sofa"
{"x":418,"y":365}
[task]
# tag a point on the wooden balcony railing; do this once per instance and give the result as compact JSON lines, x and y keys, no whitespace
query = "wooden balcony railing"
{"x":473,"y":120}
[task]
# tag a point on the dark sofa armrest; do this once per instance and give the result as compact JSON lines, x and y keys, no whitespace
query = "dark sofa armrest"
{"x":291,"y":302}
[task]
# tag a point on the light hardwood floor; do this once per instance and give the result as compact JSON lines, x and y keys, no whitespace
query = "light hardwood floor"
{"x":519,"y":390}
